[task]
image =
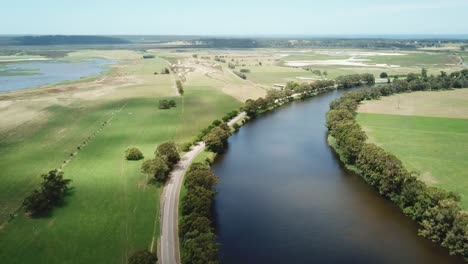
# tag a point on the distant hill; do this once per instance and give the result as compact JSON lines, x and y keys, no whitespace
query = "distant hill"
{"x":65,"y":40}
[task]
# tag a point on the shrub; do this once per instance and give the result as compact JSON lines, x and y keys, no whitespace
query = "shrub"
{"x":172,"y":103}
{"x":133,"y":153}
{"x":164,"y":104}
{"x":148,"y":56}
{"x":216,"y":122}
{"x":245,"y":70}
{"x":383,"y":75}
{"x":240,"y":74}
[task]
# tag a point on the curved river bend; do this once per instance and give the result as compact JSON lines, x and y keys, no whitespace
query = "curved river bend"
{"x":284,"y":198}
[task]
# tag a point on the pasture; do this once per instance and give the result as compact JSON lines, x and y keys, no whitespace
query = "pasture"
{"x":111,"y":210}
{"x":434,"y":147}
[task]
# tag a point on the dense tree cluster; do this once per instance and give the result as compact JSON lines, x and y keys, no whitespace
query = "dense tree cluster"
{"x":180,"y":87}
{"x":437,"y":211}
{"x":353,"y":80}
{"x":133,"y":153}
{"x":143,"y":257}
{"x":196,"y":231}
{"x":166,"y":157}
{"x":51,"y":192}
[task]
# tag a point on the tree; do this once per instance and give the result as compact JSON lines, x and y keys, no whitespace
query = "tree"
{"x":216,"y":122}
{"x":197,"y":200}
{"x":53,"y":189}
{"x":37,"y":203}
{"x":157,"y":168}
{"x":457,"y":238}
{"x":424,"y":73}
{"x":143,"y":257}
{"x":383,"y":75}
{"x":202,"y":249}
{"x":180,"y":87}
{"x":172,"y":103}
{"x":411,"y":77}
{"x":251,"y":107}
{"x":168,"y":150}
{"x":213,"y":143}
{"x":133,"y":153}
{"x":195,"y":225}
{"x":203,"y":177}
{"x":164,"y":104}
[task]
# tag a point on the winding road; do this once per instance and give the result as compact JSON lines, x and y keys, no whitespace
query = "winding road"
{"x":169,"y":246}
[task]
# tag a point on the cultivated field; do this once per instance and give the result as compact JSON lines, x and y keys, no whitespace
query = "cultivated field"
{"x":428,"y":132}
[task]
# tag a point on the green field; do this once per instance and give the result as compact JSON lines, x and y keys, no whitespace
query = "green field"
{"x":111,"y":210}
{"x":436,"y":148}
{"x":417,"y":59}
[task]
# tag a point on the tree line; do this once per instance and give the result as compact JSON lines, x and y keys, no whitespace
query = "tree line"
{"x":196,"y":228}
{"x":437,"y":211}
{"x":275,"y":98}
{"x":180,"y":87}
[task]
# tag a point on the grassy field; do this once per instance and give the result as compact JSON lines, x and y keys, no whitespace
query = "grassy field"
{"x":435,"y":147}
{"x":417,"y":59}
{"x":111,"y":210}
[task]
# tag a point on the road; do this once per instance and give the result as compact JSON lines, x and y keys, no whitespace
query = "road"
{"x":169,"y":247}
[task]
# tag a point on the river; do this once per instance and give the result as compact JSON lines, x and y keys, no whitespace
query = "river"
{"x":284,"y":197}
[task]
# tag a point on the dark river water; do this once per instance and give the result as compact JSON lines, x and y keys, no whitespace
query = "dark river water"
{"x":284,"y":198}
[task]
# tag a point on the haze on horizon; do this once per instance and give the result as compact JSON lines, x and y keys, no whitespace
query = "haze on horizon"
{"x":242,"y":17}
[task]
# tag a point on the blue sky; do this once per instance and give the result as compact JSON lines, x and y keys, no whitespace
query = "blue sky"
{"x":239,"y":17}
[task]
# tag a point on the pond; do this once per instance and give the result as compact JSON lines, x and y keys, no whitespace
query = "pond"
{"x":22,"y":75}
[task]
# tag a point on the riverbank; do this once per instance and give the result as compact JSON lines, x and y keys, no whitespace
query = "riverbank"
{"x":438,"y":212}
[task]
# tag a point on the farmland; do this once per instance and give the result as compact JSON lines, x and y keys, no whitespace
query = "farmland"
{"x":428,"y":132}
{"x":112,"y":210}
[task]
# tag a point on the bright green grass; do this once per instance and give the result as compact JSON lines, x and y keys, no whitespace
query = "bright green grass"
{"x":436,"y":148}
{"x":112,"y":211}
{"x":416,"y":59}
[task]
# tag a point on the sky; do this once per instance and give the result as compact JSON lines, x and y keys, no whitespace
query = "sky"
{"x":239,"y":17}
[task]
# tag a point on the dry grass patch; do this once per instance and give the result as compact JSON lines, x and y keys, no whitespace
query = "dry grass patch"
{"x":452,"y":104}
